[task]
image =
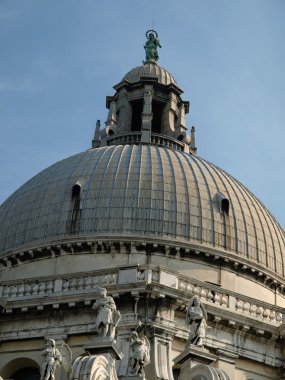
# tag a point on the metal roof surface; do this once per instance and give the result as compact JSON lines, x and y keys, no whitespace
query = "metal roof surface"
{"x":147,"y":191}
{"x":150,"y":70}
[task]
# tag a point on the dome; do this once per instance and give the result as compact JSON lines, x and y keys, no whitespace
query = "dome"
{"x":144,"y":191}
{"x":150,"y":70}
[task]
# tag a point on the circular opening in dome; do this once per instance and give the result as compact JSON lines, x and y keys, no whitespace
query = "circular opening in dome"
{"x":180,"y":138}
{"x":111,"y":132}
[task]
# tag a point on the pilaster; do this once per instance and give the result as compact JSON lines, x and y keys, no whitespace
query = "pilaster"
{"x":226,"y":361}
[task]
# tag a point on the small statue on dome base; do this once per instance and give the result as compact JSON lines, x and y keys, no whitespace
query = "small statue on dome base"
{"x":52,"y":359}
{"x":140,"y":354}
{"x":107,"y":315}
{"x":196,"y":319}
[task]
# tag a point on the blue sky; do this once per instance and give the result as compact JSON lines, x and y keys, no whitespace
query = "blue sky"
{"x":60,"y":58}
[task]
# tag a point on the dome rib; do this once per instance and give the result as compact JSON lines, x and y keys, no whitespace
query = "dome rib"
{"x":167,"y":204}
{"x":130,"y":164}
{"x":182,"y":169}
{"x":110,"y":218}
{"x":100,"y":172}
{"x":257,"y":204}
{"x":200,"y":216}
{"x":279,"y":236}
{"x":253,"y":224}
{"x":158,"y":155}
{"x":85,"y":201}
{"x":211,"y":202}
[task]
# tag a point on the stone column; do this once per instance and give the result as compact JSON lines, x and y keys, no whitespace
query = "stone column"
{"x":147,"y":115}
{"x":180,"y":128}
{"x":168,"y":115}
{"x":125,"y":112}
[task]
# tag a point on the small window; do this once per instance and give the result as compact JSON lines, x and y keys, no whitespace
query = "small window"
{"x":225,"y":206}
{"x":224,"y":203}
{"x":75,"y":209}
{"x":76,"y":190}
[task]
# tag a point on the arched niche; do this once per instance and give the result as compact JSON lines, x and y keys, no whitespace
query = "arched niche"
{"x":21,"y":368}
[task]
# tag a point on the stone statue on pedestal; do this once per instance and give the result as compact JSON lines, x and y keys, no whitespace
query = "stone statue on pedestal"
{"x":196,"y":319}
{"x":140,"y":354}
{"x":52,"y":359}
{"x":107,"y":317}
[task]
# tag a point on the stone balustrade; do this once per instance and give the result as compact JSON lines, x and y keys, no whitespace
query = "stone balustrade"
{"x":182,"y":286}
{"x":28,"y":289}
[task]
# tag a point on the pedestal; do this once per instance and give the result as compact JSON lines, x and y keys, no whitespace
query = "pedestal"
{"x":193,"y":355}
{"x":104,"y":346}
{"x":99,"y":361}
{"x":196,"y":363}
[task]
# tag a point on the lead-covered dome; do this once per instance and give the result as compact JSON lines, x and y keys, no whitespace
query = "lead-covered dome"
{"x":150,"y":70}
{"x":143,"y":191}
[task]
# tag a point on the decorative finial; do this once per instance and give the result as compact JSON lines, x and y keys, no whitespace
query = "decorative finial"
{"x":151,"y":46}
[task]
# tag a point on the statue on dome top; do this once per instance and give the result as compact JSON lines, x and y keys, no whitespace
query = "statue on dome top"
{"x":151,"y":46}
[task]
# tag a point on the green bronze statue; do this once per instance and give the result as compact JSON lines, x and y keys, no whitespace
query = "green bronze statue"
{"x":151,"y":46}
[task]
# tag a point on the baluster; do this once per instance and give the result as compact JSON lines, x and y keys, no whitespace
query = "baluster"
{"x":28,"y":289}
{"x":246,"y":307}
{"x":259,"y":311}
{"x":21,"y":290}
{"x":189,"y":288}
{"x":73,"y":284}
{"x":80,"y":284}
{"x":6,"y":291}
{"x":225,"y":300}
{"x":278,"y":317}
{"x":65,"y":286}
{"x":88,"y":283}
{"x":266,"y":313}
{"x":182,"y":285}
{"x":197,"y":290}
{"x":217,"y":298}
{"x":35,"y":289}
{"x":239,"y":304}
{"x":272,"y":315}
{"x":49,"y":287}
{"x":210,"y":296}
{"x":203,"y":293}
{"x":42,"y":287}
{"x":252,"y":309}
